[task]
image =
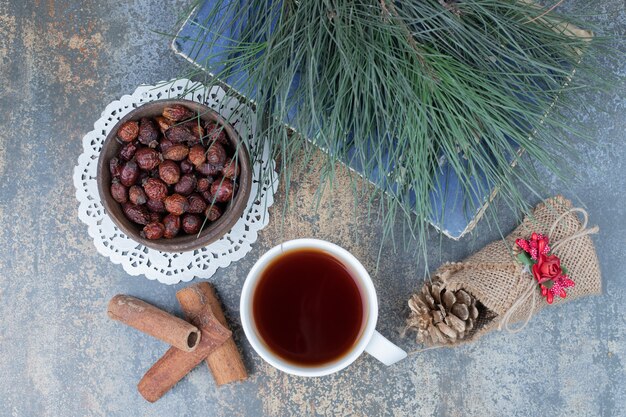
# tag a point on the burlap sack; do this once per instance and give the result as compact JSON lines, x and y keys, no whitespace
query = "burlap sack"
{"x":497,"y":280}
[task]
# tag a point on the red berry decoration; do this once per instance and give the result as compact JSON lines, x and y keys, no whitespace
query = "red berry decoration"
{"x":545,"y":267}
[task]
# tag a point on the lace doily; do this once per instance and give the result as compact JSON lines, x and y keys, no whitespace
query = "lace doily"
{"x":171,"y":268}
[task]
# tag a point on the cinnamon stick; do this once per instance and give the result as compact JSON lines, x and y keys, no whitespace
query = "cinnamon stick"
{"x":154,"y":321}
{"x":225,"y":362}
{"x":175,"y":364}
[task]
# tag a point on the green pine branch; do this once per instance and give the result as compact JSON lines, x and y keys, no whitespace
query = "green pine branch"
{"x":427,"y":80}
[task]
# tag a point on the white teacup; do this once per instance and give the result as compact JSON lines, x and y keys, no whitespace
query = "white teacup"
{"x":369,"y":339}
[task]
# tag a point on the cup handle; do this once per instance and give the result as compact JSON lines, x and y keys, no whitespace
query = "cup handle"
{"x":383,"y":350}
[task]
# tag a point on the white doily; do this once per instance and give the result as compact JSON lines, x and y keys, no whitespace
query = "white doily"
{"x":171,"y":268}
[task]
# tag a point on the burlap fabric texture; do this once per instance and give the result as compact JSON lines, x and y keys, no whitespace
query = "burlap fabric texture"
{"x":497,"y":280}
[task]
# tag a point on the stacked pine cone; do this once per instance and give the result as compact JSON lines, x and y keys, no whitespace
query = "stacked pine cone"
{"x":441,"y":316}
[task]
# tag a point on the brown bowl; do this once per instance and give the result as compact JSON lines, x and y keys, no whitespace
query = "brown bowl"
{"x":212,"y":231}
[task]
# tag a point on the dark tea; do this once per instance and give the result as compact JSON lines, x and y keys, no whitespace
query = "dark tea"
{"x":308,"y":308}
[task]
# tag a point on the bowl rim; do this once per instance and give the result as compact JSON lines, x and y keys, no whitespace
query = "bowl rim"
{"x":213,"y":231}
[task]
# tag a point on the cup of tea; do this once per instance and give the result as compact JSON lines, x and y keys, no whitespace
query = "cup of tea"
{"x":309,"y":308}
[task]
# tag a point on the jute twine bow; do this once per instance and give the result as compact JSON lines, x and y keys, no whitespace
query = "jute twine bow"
{"x":505,"y":322}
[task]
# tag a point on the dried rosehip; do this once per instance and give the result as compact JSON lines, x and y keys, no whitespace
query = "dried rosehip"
{"x":128,"y":151}
{"x":208,"y":169}
{"x":197,"y":154}
{"x":195,"y":128}
{"x":186,"y":185}
{"x":213,"y":213}
{"x":148,"y":133}
{"x":231,"y":168}
{"x":155,"y":189}
{"x":154,"y":217}
{"x":135,"y":213}
{"x":204,"y":184}
{"x":186,"y":167}
{"x":216,"y":133}
{"x":147,"y":158}
{"x":115,"y":167}
{"x":222,"y":189}
{"x":136,"y":195}
{"x":177,"y":112}
{"x":176,"y":152}
{"x":119,"y":192}
{"x":129,"y":174}
{"x":155,"y":206}
{"x":143,"y":175}
{"x":169,"y":172}
{"x":165,"y":144}
{"x":197,"y":204}
{"x":172,"y":225}
{"x":152,"y":231}
{"x":176,"y":204}
{"x":179,"y":134}
{"x":208,"y":197}
{"x":128,"y":131}
{"x":216,"y":154}
{"x":191,"y":223}
{"x":163,"y":123}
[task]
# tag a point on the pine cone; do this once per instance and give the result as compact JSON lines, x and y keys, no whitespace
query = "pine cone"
{"x":441,"y":316}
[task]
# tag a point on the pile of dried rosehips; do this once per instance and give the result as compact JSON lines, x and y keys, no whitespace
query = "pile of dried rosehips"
{"x":173,"y":172}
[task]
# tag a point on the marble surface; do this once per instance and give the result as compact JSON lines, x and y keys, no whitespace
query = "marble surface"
{"x":62,"y":61}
